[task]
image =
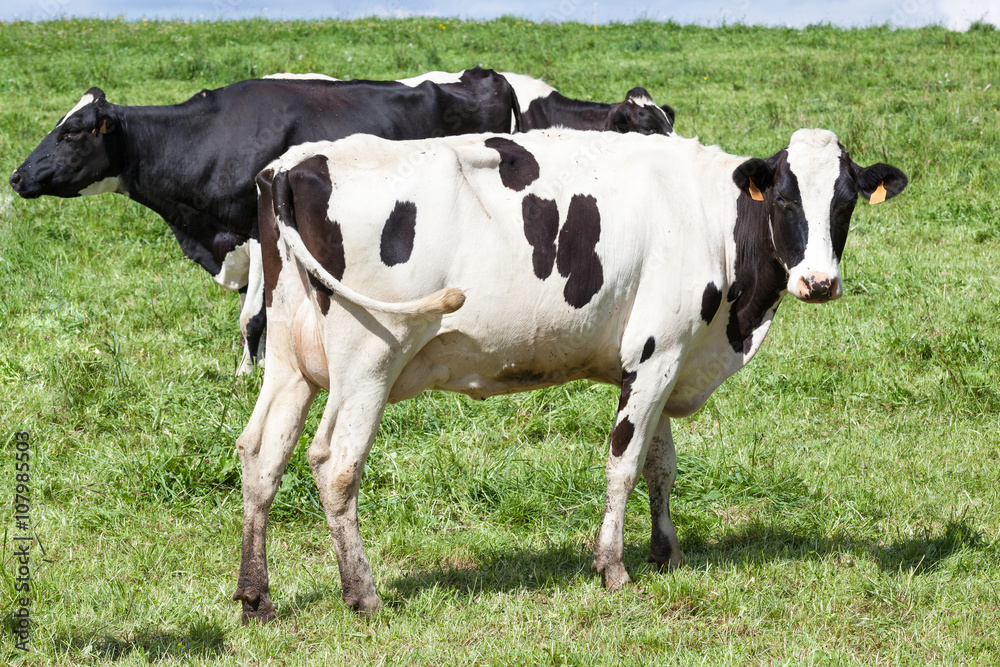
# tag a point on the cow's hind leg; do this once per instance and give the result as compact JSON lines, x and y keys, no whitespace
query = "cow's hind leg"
{"x":643,"y":396}
{"x":660,"y":471}
{"x":337,"y":456}
{"x":264,"y":447}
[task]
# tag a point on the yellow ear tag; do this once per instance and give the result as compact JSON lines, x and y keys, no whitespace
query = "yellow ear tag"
{"x":879,"y":195}
{"x":104,"y":127}
{"x":754,"y":192}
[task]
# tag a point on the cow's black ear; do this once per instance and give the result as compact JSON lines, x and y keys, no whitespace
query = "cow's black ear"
{"x":669,"y":110}
{"x":753,"y":177}
{"x":105,"y":116}
{"x":105,"y":120}
{"x":619,"y":120}
{"x":880,"y":181}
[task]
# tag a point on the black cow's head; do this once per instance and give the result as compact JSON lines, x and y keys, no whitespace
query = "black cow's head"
{"x":81,"y":156}
{"x":639,"y":113}
{"x":809,"y":191}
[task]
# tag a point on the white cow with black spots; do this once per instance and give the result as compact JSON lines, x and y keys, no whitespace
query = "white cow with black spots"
{"x":489,"y":264}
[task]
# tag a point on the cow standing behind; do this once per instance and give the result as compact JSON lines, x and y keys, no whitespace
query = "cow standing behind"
{"x":487,"y":265}
{"x":543,"y":107}
{"x":194,"y":163}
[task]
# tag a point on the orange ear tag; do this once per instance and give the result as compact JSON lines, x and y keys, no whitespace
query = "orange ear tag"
{"x":879,"y":195}
{"x":104,"y":127}
{"x":754,"y":192}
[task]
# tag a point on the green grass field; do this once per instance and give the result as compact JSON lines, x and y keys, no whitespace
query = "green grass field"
{"x":838,"y":500}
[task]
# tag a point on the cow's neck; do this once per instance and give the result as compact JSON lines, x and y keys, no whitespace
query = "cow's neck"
{"x":759,"y":278}
{"x":159,"y":142}
{"x":166,"y":169}
{"x":556,"y":109}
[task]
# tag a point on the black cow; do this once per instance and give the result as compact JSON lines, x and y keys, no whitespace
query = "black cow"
{"x":194,"y":163}
{"x":542,"y":106}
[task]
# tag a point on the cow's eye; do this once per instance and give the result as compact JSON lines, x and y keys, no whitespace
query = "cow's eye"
{"x":73,"y":135}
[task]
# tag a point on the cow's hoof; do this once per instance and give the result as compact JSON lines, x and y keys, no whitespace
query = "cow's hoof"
{"x":365,"y":605}
{"x":614,"y":576}
{"x":257,"y":606}
{"x":666,"y":562}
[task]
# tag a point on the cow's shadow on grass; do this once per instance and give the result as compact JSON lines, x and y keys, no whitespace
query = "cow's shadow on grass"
{"x":497,"y":571}
{"x":753,"y":543}
{"x":201,"y":639}
{"x":758,"y":542}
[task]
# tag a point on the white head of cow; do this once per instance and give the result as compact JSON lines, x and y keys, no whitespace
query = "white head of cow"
{"x":808,"y":191}
{"x":80,"y":156}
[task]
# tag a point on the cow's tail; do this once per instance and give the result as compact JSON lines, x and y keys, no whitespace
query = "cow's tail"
{"x":441,"y":302}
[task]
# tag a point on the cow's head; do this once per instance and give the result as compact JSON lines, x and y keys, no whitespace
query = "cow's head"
{"x":809,"y":191}
{"x":81,"y":156}
{"x":639,"y":113}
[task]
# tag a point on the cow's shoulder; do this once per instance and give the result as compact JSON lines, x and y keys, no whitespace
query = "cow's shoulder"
{"x":527,"y":89}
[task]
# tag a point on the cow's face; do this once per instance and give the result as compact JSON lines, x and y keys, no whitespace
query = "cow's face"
{"x":81,"y":156}
{"x":639,"y":113}
{"x":809,"y":190}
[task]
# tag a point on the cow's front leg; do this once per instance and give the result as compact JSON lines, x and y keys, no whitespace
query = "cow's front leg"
{"x":642,"y":399}
{"x":337,"y":456}
{"x":660,"y":471}
{"x":264,"y":447}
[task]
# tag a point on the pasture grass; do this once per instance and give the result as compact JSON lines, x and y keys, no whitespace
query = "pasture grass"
{"x":838,"y":500}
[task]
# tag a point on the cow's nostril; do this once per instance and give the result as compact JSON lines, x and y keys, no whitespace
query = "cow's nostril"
{"x":16,"y":180}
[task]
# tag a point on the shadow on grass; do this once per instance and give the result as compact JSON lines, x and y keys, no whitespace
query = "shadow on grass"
{"x":500,"y":571}
{"x":529,"y":569}
{"x":290,"y":609}
{"x":201,"y":639}
{"x":757,"y":542}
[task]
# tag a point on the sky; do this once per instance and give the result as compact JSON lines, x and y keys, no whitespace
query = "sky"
{"x":953,"y":14}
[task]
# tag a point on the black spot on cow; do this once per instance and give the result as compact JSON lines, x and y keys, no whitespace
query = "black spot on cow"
{"x":541,"y":225}
{"x":648,"y":349}
{"x":576,"y":258}
{"x":301,"y":198}
{"x":760,"y":278}
{"x":711,"y":299}
{"x":628,"y":377}
{"x":622,"y":436}
{"x":398,"y":234}
{"x":518,"y":167}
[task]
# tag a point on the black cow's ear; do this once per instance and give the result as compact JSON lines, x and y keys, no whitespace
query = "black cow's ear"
{"x":880,"y":182}
{"x":753,"y":177}
{"x":619,"y":120}
{"x":669,"y":110}
{"x":105,"y":120}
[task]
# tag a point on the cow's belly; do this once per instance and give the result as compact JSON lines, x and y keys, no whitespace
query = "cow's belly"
{"x":456,"y":361}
